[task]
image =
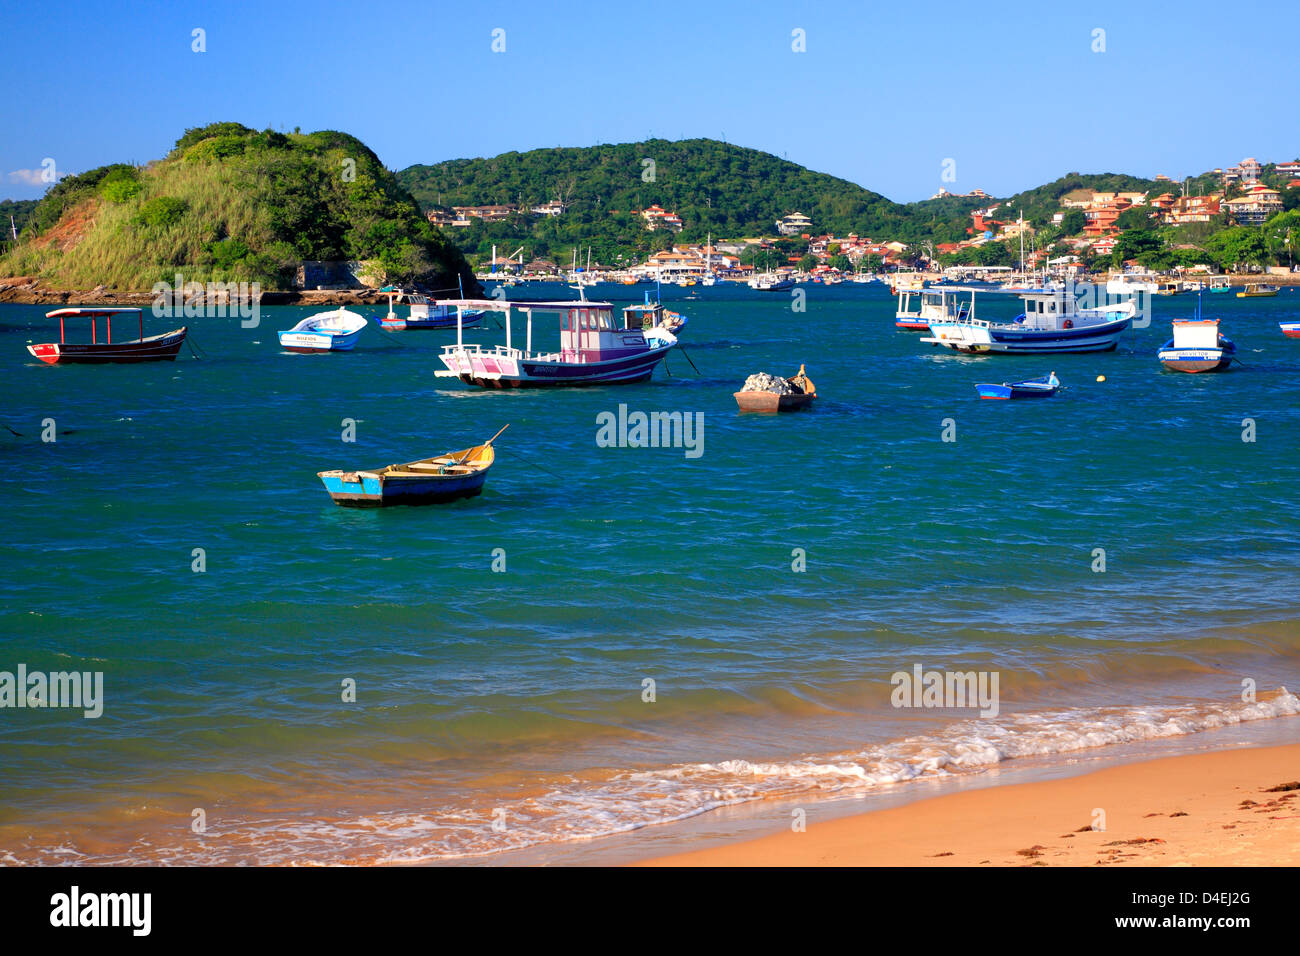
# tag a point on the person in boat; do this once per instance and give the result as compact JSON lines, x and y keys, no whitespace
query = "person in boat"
{"x":800,"y":381}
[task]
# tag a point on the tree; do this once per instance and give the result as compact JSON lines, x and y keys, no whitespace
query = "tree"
{"x":808,"y":263}
{"x":1239,"y":246}
{"x":1134,"y":217}
{"x":1072,"y":222}
{"x":1282,"y":234}
{"x":1134,"y":244}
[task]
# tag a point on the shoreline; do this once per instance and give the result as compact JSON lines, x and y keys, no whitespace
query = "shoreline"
{"x":1202,"y":809}
{"x":25,"y":290}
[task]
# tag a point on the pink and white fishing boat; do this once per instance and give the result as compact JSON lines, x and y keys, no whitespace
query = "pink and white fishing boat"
{"x":597,"y":347}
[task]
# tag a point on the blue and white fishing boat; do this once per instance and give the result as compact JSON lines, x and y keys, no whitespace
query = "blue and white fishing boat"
{"x":423,"y":313}
{"x":457,"y":474}
{"x":1197,"y":346}
{"x":334,"y":331}
{"x":1044,"y":387}
{"x":1052,"y":323}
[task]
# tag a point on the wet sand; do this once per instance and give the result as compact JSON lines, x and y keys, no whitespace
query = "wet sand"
{"x":1216,"y":808}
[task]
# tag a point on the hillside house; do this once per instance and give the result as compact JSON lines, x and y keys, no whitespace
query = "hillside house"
{"x":795,"y":224}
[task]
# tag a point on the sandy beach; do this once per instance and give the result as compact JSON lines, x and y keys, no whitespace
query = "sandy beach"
{"x":1225,"y":808}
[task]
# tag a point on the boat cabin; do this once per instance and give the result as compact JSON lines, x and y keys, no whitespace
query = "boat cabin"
{"x":589,"y":331}
{"x":1196,"y":333}
{"x":1048,"y":309}
{"x":934,"y":305}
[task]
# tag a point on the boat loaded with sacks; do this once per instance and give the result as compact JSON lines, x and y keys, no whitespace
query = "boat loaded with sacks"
{"x":769,"y":393}
{"x":155,"y":348}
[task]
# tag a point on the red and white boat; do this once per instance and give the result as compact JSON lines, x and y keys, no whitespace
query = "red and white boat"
{"x":596,"y":347}
{"x":155,"y":348}
{"x":1290,"y":329}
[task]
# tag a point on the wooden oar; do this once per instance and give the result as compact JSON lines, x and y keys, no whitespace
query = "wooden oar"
{"x":486,"y":444}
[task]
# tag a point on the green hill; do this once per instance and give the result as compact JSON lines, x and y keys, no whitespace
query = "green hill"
{"x":1041,"y":203}
{"x":715,"y":187}
{"x":728,"y":191}
{"x":229,"y":203}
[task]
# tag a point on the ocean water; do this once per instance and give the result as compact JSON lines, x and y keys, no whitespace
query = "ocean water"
{"x":496,"y":710}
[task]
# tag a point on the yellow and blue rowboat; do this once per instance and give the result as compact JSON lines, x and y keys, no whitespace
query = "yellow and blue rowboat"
{"x":457,"y":474}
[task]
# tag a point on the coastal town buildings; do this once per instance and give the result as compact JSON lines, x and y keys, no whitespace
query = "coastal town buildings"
{"x":1193,"y":209}
{"x":1257,"y":204}
{"x":657,"y":218}
{"x":486,"y":213}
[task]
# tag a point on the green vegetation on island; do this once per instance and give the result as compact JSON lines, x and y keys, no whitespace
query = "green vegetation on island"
{"x":233,"y":204}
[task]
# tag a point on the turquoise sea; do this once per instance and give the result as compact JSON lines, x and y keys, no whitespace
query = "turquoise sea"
{"x":501,"y":709}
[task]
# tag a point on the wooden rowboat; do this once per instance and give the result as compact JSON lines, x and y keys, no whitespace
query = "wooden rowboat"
{"x":155,"y":348}
{"x":1044,"y":387}
{"x":804,"y":394}
{"x":457,"y":474}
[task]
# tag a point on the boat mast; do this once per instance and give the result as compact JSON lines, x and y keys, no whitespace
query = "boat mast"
{"x":1021,"y":223}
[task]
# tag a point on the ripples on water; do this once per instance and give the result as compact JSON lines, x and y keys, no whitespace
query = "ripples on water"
{"x":523,"y":690}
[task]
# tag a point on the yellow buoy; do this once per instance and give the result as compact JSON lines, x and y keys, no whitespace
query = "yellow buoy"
{"x":1101,"y":378}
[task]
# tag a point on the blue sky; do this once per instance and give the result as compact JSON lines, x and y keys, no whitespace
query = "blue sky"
{"x":1013,"y":94}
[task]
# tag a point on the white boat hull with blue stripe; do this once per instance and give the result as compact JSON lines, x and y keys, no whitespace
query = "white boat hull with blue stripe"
{"x":1051,"y":323}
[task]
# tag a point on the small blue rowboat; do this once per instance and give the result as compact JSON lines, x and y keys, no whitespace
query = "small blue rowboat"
{"x":1044,"y":387}
{"x":457,"y":474}
{"x":425,"y":314}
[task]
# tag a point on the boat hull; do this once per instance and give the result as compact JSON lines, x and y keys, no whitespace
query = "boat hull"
{"x":1195,"y":360}
{"x":1290,"y":329}
{"x":471,"y":320}
{"x":156,"y":348}
{"x":358,"y":491}
{"x":963,"y":337}
{"x":1008,"y":391}
{"x":318,"y":341}
{"x":489,"y":371}
{"x":772,"y":402}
